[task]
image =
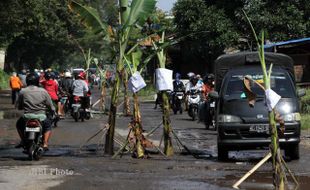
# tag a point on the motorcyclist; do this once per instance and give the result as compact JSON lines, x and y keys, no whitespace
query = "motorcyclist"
{"x":208,"y":85}
{"x":36,"y":100}
{"x":206,"y":89}
{"x":65,"y":85}
{"x":178,"y":86}
{"x":80,"y":89}
{"x":51,"y":86}
{"x":193,"y":84}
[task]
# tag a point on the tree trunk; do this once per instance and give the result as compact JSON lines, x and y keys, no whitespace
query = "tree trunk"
{"x":168,"y":150}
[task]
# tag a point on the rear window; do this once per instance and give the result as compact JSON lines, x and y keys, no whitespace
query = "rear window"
{"x":280,"y":83}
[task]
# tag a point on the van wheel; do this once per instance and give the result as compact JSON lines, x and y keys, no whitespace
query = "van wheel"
{"x":292,"y":152}
{"x":222,"y":153}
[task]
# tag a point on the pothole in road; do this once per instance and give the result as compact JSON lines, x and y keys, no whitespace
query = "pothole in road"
{"x":9,"y":115}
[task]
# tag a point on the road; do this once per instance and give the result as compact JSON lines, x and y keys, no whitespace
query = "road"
{"x":68,"y":166}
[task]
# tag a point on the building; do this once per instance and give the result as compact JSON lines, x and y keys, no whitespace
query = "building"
{"x":299,"y":51}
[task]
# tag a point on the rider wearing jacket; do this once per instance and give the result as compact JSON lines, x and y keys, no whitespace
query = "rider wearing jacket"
{"x":80,"y":89}
{"x":65,"y":88}
{"x":36,"y":100}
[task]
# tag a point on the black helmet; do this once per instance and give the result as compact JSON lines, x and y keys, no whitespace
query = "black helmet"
{"x":208,"y":78}
{"x":32,"y":79}
{"x":48,"y":75}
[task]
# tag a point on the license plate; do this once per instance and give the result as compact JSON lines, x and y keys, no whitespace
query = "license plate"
{"x":33,"y":129}
{"x":259,"y":128}
{"x":212,"y":105}
{"x":76,"y":105}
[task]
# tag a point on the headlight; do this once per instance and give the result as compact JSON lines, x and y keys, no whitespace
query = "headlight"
{"x":285,"y":107}
{"x":291,"y":117}
{"x":229,"y":119}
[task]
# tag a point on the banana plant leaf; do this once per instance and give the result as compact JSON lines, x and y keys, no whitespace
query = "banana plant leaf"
{"x":89,"y":17}
{"x":139,"y":12}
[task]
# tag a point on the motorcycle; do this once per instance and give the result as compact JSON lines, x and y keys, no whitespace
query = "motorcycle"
{"x":194,"y":99}
{"x":79,"y":110}
{"x":33,"y":137}
{"x":178,"y":99}
{"x":210,"y":113}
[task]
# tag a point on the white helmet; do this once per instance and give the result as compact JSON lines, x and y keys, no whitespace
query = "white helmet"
{"x":190,"y":74}
{"x":68,"y":74}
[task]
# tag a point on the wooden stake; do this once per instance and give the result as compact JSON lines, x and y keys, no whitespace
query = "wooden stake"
{"x":235,"y":186}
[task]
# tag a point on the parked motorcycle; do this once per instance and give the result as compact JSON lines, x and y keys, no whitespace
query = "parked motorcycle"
{"x":178,"y":99}
{"x":33,"y":137}
{"x":194,"y":99}
{"x":79,"y":110}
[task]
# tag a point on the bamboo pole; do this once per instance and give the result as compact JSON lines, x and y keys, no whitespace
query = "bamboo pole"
{"x":259,"y":164}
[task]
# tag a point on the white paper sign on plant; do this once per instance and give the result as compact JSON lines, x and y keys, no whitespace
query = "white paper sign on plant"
{"x":136,"y":82}
{"x":164,"y":79}
{"x":272,"y":98}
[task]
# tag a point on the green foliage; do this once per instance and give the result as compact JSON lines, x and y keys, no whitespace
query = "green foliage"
{"x":4,"y":80}
{"x":90,"y":17}
{"x":39,"y":33}
{"x":305,"y":103}
{"x":305,"y":121}
{"x":149,"y":91}
{"x":139,"y":12}
{"x":284,"y":19}
{"x":221,"y":24}
{"x":213,"y":30}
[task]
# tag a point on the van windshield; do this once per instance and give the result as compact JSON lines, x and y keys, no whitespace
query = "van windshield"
{"x":280,"y":83}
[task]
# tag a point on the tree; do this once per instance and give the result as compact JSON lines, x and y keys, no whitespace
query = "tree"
{"x":213,"y":31}
{"x":38,"y":34}
{"x":283,"y":19}
{"x":220,"y":25}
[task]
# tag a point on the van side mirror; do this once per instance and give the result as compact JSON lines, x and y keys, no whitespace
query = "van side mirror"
{"x":213,"y":94}
{"x":301,"y":92}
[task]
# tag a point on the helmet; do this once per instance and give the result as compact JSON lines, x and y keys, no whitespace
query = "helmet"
{"x":32,"y":79}
{"x":190,"y":74}
{"x":211,"y":76}
{"x":178,"y":76}
{"x":82,"y":75}
{"x":47,"y":75}
{"x":208,"y":78}
{"x":53,"y":75}
{"x":68,"y":74}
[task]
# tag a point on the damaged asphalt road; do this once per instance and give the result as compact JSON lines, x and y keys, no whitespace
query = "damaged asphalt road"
{"x":69,"y":166}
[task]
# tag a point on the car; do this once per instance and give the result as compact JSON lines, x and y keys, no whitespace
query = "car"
{"x":76,"y":71}
{"x":241,"y":127}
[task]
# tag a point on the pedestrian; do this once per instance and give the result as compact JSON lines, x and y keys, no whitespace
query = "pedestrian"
{"x":22,"y":77}
{"x":15,"y":84}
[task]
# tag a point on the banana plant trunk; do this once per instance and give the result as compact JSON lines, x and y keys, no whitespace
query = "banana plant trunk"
{"x":137,"y":128}
{"x":109,"y":145}
{"x":168,"y":150}
{"x":126,"y":97}
{"x":102,"y":96}
{"x":278,"y":172}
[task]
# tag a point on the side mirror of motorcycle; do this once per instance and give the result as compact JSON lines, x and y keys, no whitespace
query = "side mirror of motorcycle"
{"x":213,"y":95}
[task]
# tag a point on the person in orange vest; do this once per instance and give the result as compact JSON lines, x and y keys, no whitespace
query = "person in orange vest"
{"x":15,"y":84}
